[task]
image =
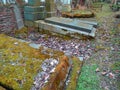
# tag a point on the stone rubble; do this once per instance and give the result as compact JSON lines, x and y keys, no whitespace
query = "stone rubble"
{"x":104,"y":73}
{"x":111,"y":75}
{"x":48,"y":67}
{"x":97,"y":70}
{"x":16,"y":43}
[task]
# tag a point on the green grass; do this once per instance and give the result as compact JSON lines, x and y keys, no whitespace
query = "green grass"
{"x":116,"y":66}
{"x":88,"y":80}
{"x":116,"y":38}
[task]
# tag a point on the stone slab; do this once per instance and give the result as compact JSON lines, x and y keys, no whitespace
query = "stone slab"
{"x":61,"y":29}
{"x":71,"y":23}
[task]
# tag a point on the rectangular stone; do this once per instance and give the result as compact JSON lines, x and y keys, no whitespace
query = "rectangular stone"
{"x":34,"y":15}
{"x":34,"y":8}
{"x":62,"y":29}
{"x":34,"y":2}
{"x":70,"y":23}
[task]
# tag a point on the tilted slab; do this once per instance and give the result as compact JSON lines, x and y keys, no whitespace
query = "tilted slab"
{"x":70,"y":23}
{"x":66,"y":25}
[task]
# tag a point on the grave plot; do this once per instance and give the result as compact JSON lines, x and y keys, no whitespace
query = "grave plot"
{"x":23,"y":67}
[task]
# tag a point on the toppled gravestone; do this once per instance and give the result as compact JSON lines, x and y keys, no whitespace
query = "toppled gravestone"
{"x":68,"y":26}
{"x":48,"y":67}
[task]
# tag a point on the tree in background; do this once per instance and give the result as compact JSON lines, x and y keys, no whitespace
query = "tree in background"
{"x":88,"y":3}
{"x":82,"y":2}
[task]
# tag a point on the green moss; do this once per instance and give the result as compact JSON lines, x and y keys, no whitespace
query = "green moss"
{"x":82,"y":12}
{"x":106,"y":11}
{"x":19,"y":63}
{"x":88,"y":80}
{"x":74,"y":74}
{"x":22,"y":33}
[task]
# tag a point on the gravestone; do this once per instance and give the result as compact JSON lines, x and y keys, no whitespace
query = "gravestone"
{"x":18,"y":17}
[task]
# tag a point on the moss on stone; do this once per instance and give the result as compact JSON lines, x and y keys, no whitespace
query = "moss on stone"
{"x":19,"y":63}
{"x":77,"y":64}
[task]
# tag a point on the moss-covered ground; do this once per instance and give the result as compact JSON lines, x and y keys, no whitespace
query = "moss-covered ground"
{"x":20,"y":63}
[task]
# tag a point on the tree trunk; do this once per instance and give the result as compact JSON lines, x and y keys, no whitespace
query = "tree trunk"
{"x":88,"y":3}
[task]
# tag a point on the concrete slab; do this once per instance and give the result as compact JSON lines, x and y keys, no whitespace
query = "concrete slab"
{"x":66,"y":26}
{"x":68,"y":20}
{"x":70,"y":23}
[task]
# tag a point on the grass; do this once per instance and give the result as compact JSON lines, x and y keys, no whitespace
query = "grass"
{"x":116,"y":66}
{"x":88,"y":80}
{"x":115,"y":39}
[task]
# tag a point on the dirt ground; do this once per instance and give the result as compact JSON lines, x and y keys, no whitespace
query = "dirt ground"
{"x":106,"y":55}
